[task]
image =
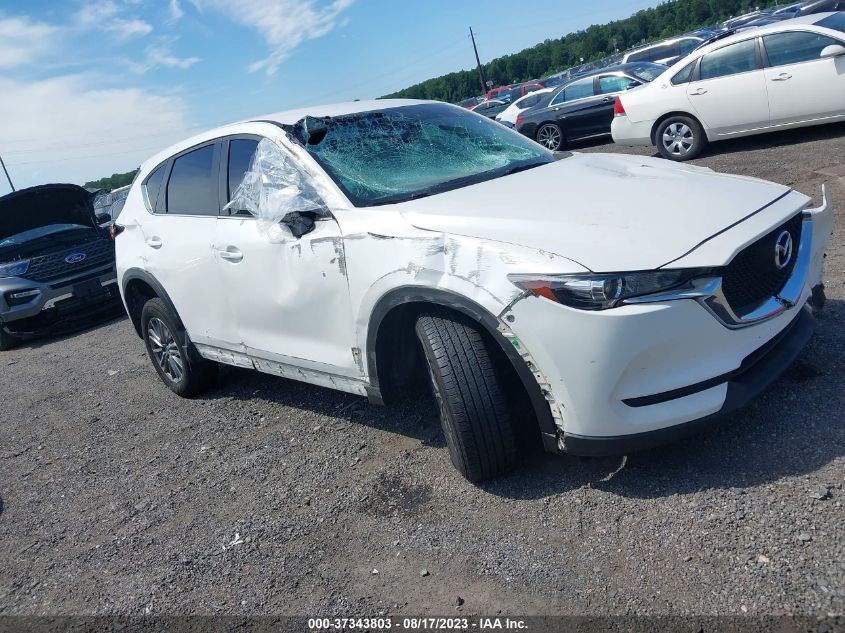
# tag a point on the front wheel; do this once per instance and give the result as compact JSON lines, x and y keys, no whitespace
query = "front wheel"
{"x":473,"y":410}
{"x":680,"y":138}
{"x":550,"y":136}
{"x":185,"y":377}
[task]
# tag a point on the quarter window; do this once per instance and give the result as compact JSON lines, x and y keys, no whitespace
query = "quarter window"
{"x":795,"y":47}
{"x":730,"y":60}
{"x":192,"y":188}
{"x":152,"y":186}
{"x":615,"y":83}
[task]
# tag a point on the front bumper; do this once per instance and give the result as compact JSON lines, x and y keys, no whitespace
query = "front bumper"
{"x":59,"y":305}
{"x":646,"y":372}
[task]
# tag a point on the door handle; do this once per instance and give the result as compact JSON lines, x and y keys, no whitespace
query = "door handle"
{"x":231,"y":254}
{"x":605,"y":100}
{"x":154,"y":242}
{"x":782,"y":77}
{"x":699,"y":92}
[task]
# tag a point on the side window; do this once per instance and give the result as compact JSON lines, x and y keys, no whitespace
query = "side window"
{"x":684,"y":75}
{"x":687,"y":45}
{"x":152,"y":186}
{"x":193,"y":185}
{"x":615,"y":83}
{"x":579,"y":90}
{"x":528,"y":102}
{"x":241,"y":151}
{"x":795,"y":47}
{"x":730,"y":60}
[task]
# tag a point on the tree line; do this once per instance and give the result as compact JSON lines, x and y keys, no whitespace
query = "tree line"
{"x":666,"y":20}
{"x":115,"y":181}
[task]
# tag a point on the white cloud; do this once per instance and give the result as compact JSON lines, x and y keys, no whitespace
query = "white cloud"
{"x":67,"y":129}
{"x":176,"y":11}
{"x":284,"y":24}
{"x":107,"y":16}
{"x":160,"y":55}
{"x":23,"y":41}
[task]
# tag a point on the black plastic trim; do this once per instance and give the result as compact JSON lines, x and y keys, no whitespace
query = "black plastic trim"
{"x":413,"y":294}
{"x":741,"y":391}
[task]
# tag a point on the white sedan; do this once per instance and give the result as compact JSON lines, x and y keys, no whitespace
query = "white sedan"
{"x":789,"y":74}
{"x":510,"y":114}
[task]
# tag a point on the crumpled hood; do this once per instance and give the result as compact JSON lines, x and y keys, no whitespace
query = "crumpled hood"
{"x":43,"y":205}
{"x":608,"y":212}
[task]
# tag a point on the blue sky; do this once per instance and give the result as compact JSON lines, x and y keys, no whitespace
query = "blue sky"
{"x":92,"y":87}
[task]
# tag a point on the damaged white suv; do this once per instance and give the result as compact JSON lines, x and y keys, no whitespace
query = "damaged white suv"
{"x":372,"y":245}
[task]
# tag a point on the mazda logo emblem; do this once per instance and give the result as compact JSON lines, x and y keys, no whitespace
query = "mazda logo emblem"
{"x":783,"y":250}
{"x":75,"y":258}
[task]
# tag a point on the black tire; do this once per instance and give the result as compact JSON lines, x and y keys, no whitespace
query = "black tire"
{"x":7,"y":341}
{"x":161,"y":331}
{"x":473,"y":410}
{"x":546,"y":135}
{"x":687,"y":140}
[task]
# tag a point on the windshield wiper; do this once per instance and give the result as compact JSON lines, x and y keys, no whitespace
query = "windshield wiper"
{"x":518,"y":168}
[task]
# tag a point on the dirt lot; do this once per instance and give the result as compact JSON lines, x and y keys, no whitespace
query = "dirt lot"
{"x":267,"y":496}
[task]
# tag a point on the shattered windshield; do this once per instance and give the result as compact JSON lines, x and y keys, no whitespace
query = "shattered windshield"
{"x":409,"y":152}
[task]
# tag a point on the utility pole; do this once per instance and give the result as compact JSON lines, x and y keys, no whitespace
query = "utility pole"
{"x":6,"y":171}
{"x":478,"y":62}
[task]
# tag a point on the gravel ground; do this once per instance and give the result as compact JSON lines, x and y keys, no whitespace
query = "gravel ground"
{"x":268,"y":496}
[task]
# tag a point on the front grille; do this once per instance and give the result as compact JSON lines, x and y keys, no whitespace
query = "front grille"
{"x":98,"y":253}
{"x":752,"y":276}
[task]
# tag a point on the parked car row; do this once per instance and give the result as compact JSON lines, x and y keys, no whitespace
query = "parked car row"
{"x":790,"y":73}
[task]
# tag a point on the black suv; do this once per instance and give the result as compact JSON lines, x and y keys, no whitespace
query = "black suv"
{"x":57,"y":268}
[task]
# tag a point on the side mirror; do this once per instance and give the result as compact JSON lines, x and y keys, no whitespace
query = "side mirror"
{"x":834,"y":50}
{"x":300,"y":222}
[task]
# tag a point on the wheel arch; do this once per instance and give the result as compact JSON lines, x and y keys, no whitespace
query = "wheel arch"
{"x":397,"y":310}
{"x":139,"y":286}
{"x":669,"y":115}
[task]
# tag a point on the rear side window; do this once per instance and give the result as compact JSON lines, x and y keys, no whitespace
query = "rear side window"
{"x":241,"y":151}
{"x":193,"y":185}
{"x":730,"y":60}
{"x":614,"y":83}
{"x":684,"y":75}
{"x":528,"y":102}
{"x":152,"y":186}
{"x":795,"y":47}
{"x":579,"y":90}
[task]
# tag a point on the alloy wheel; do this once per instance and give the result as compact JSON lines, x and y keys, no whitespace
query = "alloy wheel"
{"x":165,"y":349}
{"x":549,"y":136}
{"x":678,"y":139}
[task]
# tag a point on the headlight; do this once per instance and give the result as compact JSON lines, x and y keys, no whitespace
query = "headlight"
{"x":14,"y":269}
{"x":602,"y":291}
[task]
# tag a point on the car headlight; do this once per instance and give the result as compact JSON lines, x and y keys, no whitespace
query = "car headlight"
{"x":602,"y":291}
{"x":14,"y":269}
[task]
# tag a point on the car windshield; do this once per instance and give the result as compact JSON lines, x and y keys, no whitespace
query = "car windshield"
{"x":398,"y":154}
{"x":835,"y":21}
{"x":647,"y":72}
{"x":34,"y":234}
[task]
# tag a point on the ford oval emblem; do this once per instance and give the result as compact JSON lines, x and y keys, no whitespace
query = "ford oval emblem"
{"x":75,"y":258}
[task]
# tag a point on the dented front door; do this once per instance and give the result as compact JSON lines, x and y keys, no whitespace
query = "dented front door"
{"x":289,"y":296}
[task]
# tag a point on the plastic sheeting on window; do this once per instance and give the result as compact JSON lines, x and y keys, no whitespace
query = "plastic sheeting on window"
{"x":274,"y":187}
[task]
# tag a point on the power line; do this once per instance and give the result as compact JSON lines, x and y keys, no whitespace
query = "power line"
{"x":6,"y":171}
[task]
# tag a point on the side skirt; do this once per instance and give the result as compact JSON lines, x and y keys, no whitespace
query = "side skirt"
{"x":284,"y":370}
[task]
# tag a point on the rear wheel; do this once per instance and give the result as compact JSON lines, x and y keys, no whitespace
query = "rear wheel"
{"x":551,"y":136}
{"x":163,"y":339}
{"x":473,"y":410}
{"x":680,"y":138}
{"x":7,"y":341}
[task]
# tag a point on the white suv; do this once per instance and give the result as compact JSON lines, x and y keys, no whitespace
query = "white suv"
{"x":372,"y":245}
